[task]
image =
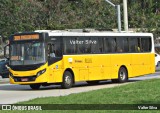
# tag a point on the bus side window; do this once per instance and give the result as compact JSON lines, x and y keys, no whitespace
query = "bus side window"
{"x":146,"y":44}
{"x":69,"y":45}
{"x":126,"y":45}
{"x":137,"y":48}
{"x":55,"y":46}
{"x":51,"y":50}
{"x":106,"y":45}
{"x":97,"y":46}
{"x":120,"y":44}
{"x":133,"y":45}
{"x":87,"y":50}
{"x":112,"y":44}
{"x":119,"y":49}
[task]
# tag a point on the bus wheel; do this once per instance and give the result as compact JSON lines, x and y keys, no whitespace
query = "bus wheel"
{"x":122,"y":75}
{"x":67,"y":80}
{"x":93,"y":82}
{"x":35,"y":86}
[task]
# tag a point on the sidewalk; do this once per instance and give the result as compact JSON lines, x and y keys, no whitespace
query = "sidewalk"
{"x":4,"y":80}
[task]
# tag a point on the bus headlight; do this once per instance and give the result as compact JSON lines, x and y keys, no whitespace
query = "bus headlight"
{"x":41,"y":72}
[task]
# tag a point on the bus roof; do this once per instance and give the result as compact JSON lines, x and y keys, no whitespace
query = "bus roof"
{"x":91,"y":33}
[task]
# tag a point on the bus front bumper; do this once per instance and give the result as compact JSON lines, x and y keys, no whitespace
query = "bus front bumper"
{"x":33,"y":79}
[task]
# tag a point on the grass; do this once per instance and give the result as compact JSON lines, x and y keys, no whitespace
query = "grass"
{"x":143,"y":92}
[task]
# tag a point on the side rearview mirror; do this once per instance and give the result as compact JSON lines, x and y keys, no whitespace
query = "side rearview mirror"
{"x":6,"y":51}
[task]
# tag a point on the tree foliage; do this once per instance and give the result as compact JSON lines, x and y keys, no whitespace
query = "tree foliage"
{"x":29,"y":15}
{"x":145,"y":15}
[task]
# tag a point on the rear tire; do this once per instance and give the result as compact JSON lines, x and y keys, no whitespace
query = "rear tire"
{"x":122,"y":76}
{"x":67,"y":80}
{"x":35,"y":86}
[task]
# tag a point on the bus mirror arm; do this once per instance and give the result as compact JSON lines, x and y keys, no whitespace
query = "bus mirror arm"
{"x":7,"y":66}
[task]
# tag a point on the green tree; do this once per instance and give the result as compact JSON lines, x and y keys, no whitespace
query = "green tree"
{"x":17,"y":16}
{"x":29,"y":15}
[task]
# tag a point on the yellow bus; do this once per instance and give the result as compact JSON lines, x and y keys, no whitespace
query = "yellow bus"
{"x":46,"y":57}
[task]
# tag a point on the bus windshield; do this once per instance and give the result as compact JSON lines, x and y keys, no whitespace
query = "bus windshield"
{"x":27,"y":53}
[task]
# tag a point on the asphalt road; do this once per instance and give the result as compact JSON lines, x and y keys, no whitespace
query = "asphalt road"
{"x":10,"y":94}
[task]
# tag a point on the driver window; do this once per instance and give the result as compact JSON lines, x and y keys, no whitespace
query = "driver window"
{"x":51,"y":50}
{"x":55,"y":47}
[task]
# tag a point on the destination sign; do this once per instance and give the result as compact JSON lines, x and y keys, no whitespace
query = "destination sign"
{"x":26,"y":37}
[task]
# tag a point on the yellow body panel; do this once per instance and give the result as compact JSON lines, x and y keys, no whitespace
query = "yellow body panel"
{"x":92,"y":67}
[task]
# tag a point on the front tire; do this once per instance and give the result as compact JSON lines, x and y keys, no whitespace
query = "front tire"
{"x":67,"y":80}
{"x":35,"y":86}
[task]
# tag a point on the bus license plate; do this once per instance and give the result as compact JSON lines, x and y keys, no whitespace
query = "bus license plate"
{"x":24,"y":79}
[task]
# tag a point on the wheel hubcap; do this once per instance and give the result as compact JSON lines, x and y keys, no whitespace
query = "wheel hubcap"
{"x":122,"y":75}
{"x":68,"y":80}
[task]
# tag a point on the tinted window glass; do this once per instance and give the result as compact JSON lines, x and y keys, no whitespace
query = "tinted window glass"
{"x":96,"y":45}
{"x":133,"y":44}
{"x":55,"y":46}
{"x":146,"y":44}
{"x":112,"y":44}
{"x":70,"y":44}
{"x":139,"y":48}
{"x":85,"y":45}
{"x":106,"y":45}
{"x":126,"y":44}
{"x":122,"y":44}
{"x":27,"y":53}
